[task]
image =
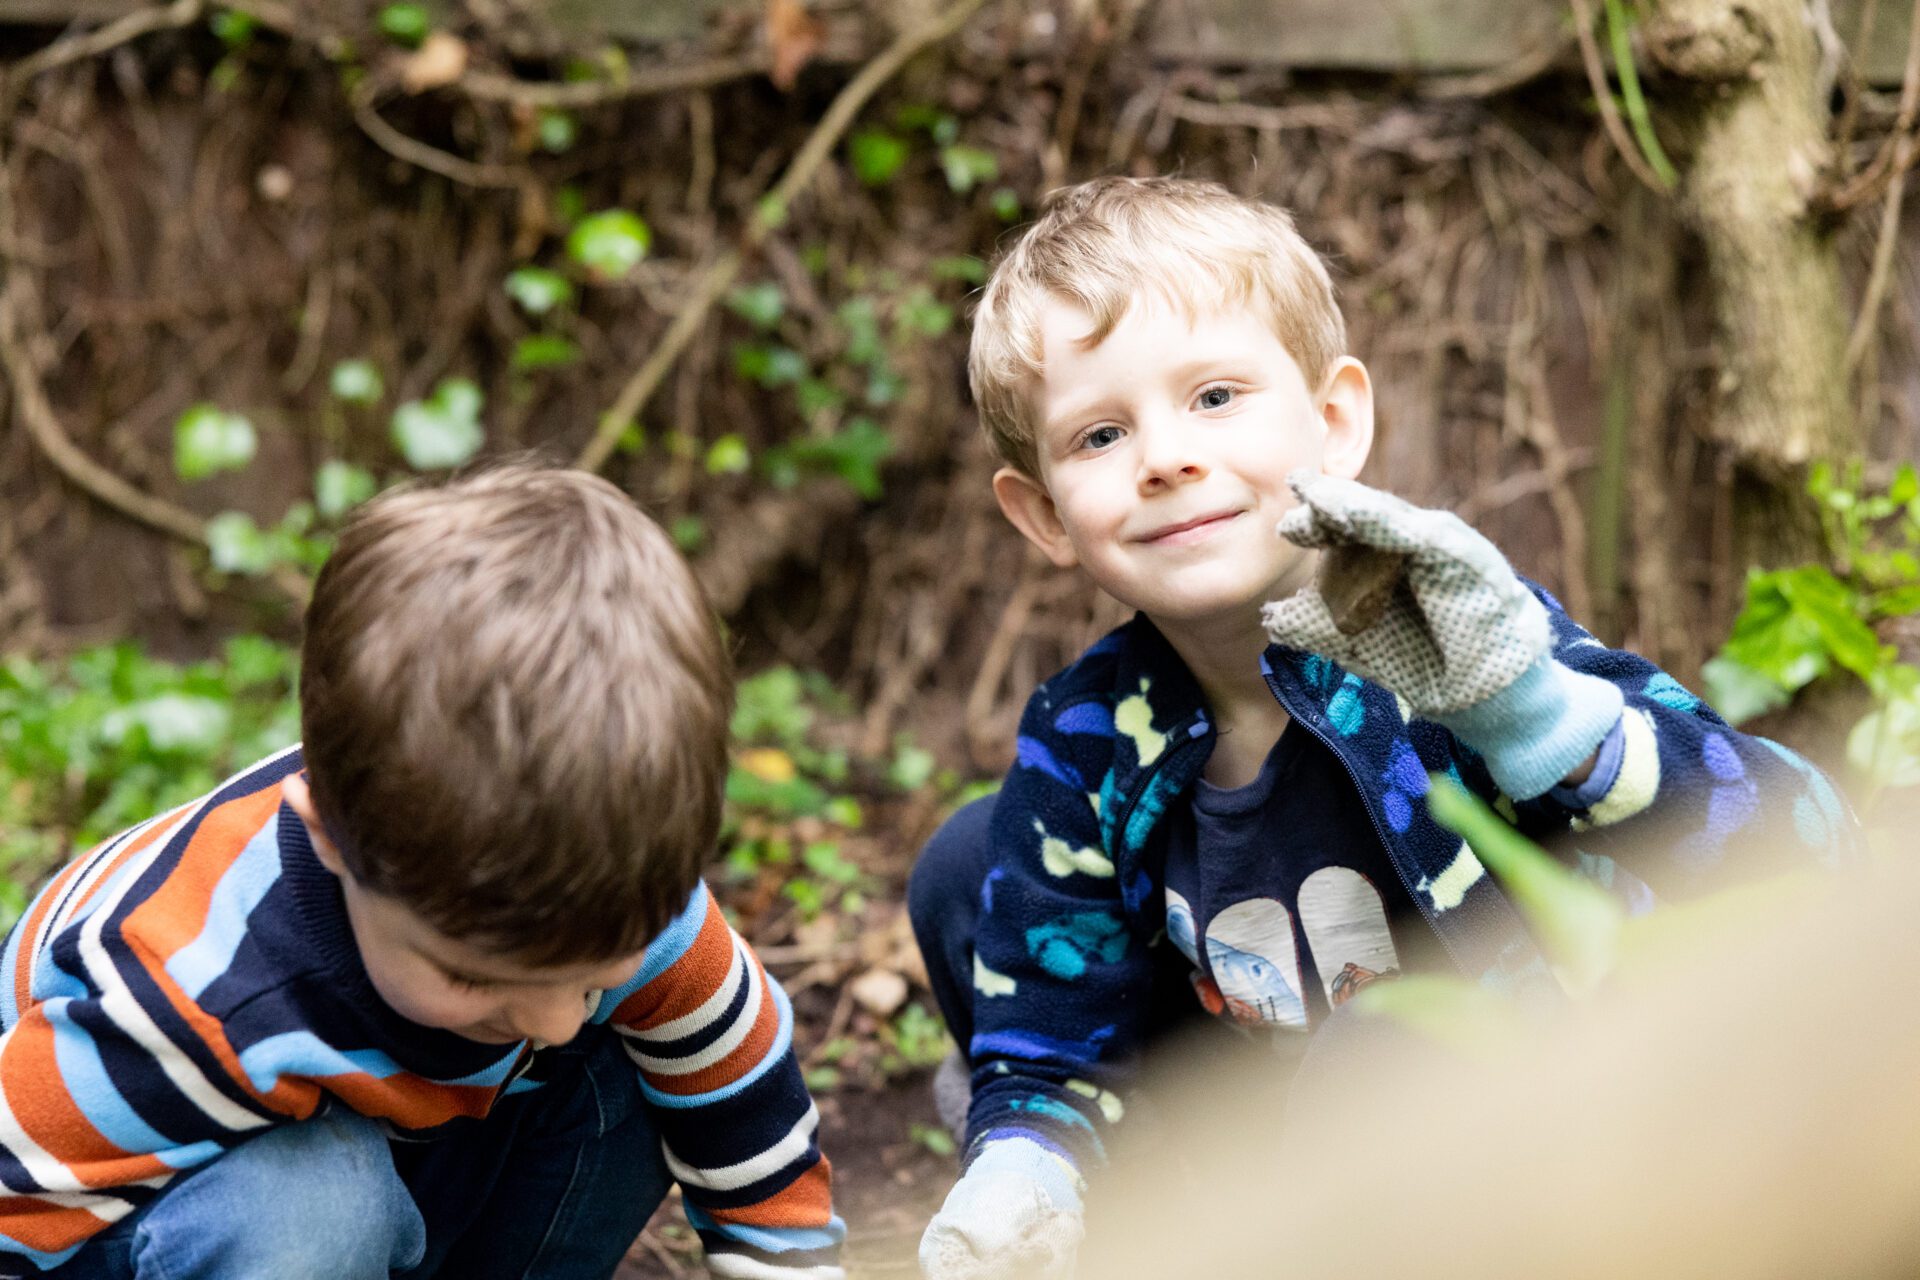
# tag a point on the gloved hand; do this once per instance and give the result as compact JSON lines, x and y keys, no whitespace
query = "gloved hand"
{"x":1016,"y":1213}
{"x":1461,"y":639}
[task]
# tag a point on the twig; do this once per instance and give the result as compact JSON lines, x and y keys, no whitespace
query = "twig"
{"x":1883,"y":254}
{"x":772,"y":209}
{"x":1524,"y":69}
{"x":1603,"y":98}
{"x":432,"y":159}
{"x":1891,"y":157}
{"x":91,"y":44}
{"x":489,"y":86}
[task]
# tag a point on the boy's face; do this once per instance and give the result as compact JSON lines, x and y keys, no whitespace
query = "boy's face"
{"x":437,"y":981}
{"x":1164,"y":452}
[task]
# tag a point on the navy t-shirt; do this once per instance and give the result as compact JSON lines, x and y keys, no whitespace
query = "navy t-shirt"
{"x":1281,"y":894}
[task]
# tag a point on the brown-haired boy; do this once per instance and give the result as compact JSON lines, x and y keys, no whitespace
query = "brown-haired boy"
{"x":439,"y":992}
{"x":1220,"y":808}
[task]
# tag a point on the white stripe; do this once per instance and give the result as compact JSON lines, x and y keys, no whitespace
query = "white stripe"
{"x":749,"y":1171}
{"x":734,"y":1266}
{"x":726,"y":1044}
{"x":119,"y":1004}
{"x":62,"y":912}
{"x":714,"y":1005}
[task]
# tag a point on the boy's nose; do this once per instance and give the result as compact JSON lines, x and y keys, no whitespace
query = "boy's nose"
{"x":1168,"y":456}
{"x":549,"y":1018}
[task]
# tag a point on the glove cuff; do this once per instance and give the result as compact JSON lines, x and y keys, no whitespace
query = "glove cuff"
{"x":1539,"y":728}
{"x":1025,"y":1158}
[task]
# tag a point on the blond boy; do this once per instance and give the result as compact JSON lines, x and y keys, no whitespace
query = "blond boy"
{"x":1234,"y":796}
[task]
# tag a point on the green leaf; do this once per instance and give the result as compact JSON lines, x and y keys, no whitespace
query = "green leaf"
{"x":1831,"y":607}
{"x":689,"y":533}
{"x":816,"y":396}
{"x":1577,"y":922}
{"x":1885,"y":745}
{"x":876,"y":156}
{"x":921,"y":314}
{"x":538,"y":290}
{"x":728,"y":456}
{"x":1738,"y":692}
{"x":760,"y":305}
{"x":338,"y":487}
{"x":968,"y":167}
{"x":610,"y":244}
{"x":769,"y":364}
{"x":569,"y":205}
{"x":234,"y":29}
{"x":911,"y":768}
{"x":1775,"y":639}
{"x":1906,"y":485}
{"x":208,"y":439}
{"x":173,"y":722}
{"x":861,"y":320}
{"x":1005,"y":203}
{"x":356,"y":381}
{"x":406,"y":24}
{"x":556,"y":131}
{"x":932,"y":1137}
{"x":544,"y":351}
{"x":237,"y":545}
{"x":854,"y":454}
{"x":963,"y":267}
{"x":442,"y":431}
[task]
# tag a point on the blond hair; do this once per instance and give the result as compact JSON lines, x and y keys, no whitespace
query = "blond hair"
{"x":1103,"y":244}
{"x":515,"y":704}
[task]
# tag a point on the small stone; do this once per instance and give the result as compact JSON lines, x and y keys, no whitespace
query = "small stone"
{"x":880,"y":992}
{"x":274,"y":182}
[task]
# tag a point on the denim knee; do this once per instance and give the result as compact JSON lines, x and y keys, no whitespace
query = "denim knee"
{"x":314,"y":1200}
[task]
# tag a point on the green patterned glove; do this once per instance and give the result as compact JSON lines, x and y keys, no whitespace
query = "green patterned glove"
{"x":1460,"y":638}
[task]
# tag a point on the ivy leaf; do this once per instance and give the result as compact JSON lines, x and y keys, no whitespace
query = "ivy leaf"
{"x":556,"y":131}
{"x":1738,"y":692}
{"x":356,"y":382}
{"x":610,"y":244}
{"x":920,"y":313}
{"x":728,"y":456}
{"x":964,"y":267}
{"x":1828,"y":605}
{"x":174,"y":722}
{"x":689,"y":533}
{"x":854,"y":455}
{"x":544,"y":351}
{"x":876,"y":156}
{"x":237,"y":545}
{"x":760,"y":305}
{"x":968,"y":167}
{"x":769,"y":364}
{"x":442,"y":431}
{"x":338,"y":487}
{"x":1005,"y":203}
{"x":538,"y":290}
{"x":406,"y":24}
{"x":208,"y":439}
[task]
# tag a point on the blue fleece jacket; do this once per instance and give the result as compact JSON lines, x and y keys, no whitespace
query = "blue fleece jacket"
{"x":1075,"y":896}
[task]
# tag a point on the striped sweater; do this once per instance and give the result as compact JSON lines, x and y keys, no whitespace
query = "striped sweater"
{"x":194,"y":981}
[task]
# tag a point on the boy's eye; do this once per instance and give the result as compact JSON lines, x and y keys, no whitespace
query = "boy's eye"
{"x":1100,"y":437}
{"x":462,"y":982}
{"x":1216,"y":397}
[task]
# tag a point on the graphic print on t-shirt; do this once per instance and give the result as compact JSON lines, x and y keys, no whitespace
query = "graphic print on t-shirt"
{"x":1346,"y":926}
{"x":1251,"y":951}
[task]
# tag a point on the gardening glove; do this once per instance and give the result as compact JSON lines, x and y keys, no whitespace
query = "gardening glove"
{"x":1015,"y":1213}
{"x":1459,"y":637}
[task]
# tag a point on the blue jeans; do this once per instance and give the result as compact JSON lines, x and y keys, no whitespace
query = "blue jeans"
{"x":554,"y":1184}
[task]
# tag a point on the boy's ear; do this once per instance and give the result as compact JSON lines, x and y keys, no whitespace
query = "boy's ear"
{"x":1346,"y":407}
{"x":299,"y":797}
{"x":1025,"y":502}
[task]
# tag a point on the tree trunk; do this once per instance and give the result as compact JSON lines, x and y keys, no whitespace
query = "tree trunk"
{"x":1758,"y":125}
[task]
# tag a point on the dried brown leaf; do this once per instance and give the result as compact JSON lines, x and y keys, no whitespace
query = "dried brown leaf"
{"x":793,"y":36}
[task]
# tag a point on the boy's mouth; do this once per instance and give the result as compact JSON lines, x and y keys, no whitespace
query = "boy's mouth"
{"x":1194,"y":530}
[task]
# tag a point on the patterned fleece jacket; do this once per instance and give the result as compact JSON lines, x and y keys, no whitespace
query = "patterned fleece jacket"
{"x":1075,"y":893}
{"x":194,"y":981}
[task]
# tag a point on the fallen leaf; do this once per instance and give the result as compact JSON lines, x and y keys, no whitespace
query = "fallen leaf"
{"x":769,"y":764}
{"x":794,"y":36}
{"x":440,"y":60}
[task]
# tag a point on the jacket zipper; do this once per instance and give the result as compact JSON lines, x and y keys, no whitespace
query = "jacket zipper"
{"x":1311,"y":722}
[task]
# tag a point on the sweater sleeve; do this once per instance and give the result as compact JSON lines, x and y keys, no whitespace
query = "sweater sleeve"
{"x":1679,"y":798}
{"x":712,"y":1037}
{"x":1060,"y":979}
{"x":112,"y":1080}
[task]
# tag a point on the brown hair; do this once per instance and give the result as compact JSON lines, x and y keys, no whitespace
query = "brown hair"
{"x":1104,"y":243}
{"x":515,"y":701}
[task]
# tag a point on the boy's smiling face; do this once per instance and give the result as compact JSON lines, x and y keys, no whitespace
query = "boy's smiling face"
{"x":1164,"y":451}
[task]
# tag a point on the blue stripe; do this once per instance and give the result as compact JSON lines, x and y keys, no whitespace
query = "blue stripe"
{"x":776,"y":1052}
{"x":301,"y":1053}
{"x":44,"y":1261}
{"x":661,"y":952}
{"x":769,"y":1239}
{"x":240,"y":890}
{"x":84,"y":1076}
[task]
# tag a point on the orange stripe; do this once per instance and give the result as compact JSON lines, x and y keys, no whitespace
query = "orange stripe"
{"x":687,"y":983}
{"x":409,"y":1100}
{"x":45,"y":1227}
{"x":128,"y":850}
{"x":177,"y":911}
{"x":23,"y":967}
{"x":30,"y":1077}
{"x":807,"y":1201}
{"x":748,"y":1054}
